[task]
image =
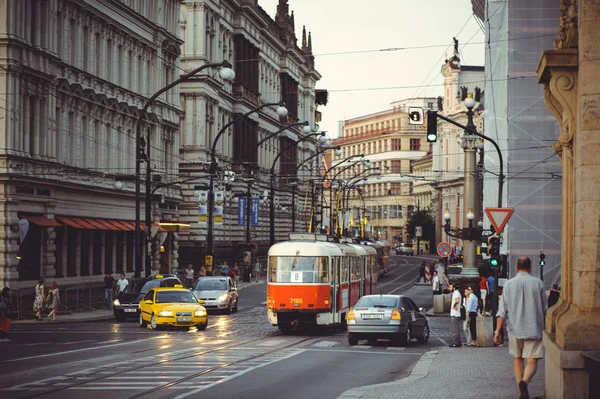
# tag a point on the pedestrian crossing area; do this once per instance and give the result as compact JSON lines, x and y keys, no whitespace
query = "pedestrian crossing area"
{"x":195,"y":368}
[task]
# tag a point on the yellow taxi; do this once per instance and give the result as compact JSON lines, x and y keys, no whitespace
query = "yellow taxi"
{"x":172,"y":306}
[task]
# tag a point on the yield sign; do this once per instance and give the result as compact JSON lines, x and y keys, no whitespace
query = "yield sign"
{"x":499,"y":217}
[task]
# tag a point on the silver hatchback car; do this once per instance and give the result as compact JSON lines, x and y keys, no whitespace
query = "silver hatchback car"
{"x":393,"y":317}
{"x":217,"y":293}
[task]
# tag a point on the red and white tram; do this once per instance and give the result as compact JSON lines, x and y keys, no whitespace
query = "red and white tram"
{"x":313,"y":281}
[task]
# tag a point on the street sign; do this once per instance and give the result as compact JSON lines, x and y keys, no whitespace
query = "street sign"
{"x":499,"y":217}
{"x":418,"y":231}
{"x":444,"y":249}
{"x":415,"y":115}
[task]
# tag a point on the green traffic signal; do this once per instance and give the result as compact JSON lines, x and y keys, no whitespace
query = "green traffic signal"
{"x":542,"y":263}
{"x":494,"y":262}
{"x":431,"y":138}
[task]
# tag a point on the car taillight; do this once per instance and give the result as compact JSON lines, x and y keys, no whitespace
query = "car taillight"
{"x":350,"y":315}
{"x":396,"y":315}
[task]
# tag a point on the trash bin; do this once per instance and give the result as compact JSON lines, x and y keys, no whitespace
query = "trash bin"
{"x":485,"y":331}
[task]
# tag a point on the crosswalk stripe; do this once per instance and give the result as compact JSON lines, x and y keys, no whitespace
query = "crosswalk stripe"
{"x":394,"y":348}
{"x":325,"y":344}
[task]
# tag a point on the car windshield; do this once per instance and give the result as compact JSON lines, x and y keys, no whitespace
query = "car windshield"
{"x":149,"y":285}
{"x":179,"y":296}
{"x":211,"y":284}
{"x":377,"y":302}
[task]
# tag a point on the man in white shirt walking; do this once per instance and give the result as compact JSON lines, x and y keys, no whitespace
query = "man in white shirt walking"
{"x":436,"y":283}
{"x":455,"y":314}
{"x":122,"y":283}
{"x":524,"y":304}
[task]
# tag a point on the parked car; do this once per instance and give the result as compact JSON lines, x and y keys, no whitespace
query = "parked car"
{"x":392,"y":317}
{"x":172,"y":307}
{"x":126,"y":304}
{"x":404,"y":249}
{"x":217,"y":293}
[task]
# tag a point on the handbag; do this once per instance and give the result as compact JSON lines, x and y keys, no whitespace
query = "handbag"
{"x":463,"y":313}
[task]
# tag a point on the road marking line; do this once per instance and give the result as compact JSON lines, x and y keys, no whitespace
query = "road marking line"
{"x":272,"y":342}
{"x":75,"y":342}
{"x":438,"y":337}
{"x":76,"y":350}
{"x":38,"y":343}
{"x":363,"y":346}
{"x":393,"y":348}
{"x":364,"y":352}
{"x":325,"y":344}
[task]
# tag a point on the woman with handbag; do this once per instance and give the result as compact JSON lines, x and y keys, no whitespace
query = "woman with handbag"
{"x":5,"y":319}
{"x":53,"y":300}
{"x":38,"y":303}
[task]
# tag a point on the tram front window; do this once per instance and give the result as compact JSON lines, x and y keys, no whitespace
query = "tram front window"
{"x":298,"y":269}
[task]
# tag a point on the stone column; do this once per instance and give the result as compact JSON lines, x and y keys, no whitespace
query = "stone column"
{"x":572,"y":92}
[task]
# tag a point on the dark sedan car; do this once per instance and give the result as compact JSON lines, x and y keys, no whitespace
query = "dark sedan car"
{"x":126,"y":305}
{"x":393,"y":317}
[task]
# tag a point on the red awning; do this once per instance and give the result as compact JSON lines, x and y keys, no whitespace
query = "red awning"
{"x":69,"y":222}
{"x":96,"y":223}
{"x":86,"y":225}
{"x":41,"y":221}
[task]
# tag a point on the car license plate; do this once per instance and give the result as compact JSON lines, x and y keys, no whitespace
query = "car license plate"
{"x":372,"y":316}
{"x":130,"y":310}
{"x":184,"y":319}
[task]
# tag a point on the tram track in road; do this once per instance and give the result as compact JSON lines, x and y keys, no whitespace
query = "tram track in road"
{"x":81,"y":383}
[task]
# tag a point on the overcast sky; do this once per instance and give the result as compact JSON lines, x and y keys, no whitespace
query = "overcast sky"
{"x":364,"y":79}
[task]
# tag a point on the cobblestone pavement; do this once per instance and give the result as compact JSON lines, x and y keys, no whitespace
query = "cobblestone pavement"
{"x":465,"y":372}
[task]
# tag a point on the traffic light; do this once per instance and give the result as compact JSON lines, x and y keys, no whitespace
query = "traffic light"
{"x":494,"y":251}
{"x":415,"y":116}
{"x":431,"y":126}
{"x":542,"y":259}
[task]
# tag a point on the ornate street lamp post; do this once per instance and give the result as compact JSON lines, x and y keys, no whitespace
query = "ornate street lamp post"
{"x":323,"y":139}
{"x":282,"y":112}
{"x":226,"y":73}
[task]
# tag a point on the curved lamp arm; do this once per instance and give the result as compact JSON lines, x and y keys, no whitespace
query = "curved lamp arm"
{"x":315,"y":155}
{"x":306,"y":123}
{"x":301,"y":139}
{"x":341,"y":162}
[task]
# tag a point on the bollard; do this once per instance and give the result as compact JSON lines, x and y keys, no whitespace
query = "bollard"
{"x":438,"y":304}
{"x":485,"y":331}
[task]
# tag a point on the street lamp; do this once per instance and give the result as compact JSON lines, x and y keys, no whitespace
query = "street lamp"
{"x":282,"y":112}
{"x":362,"y":160}
{"x":226,"y":73}
{"x":470,"y":143}
{"x":322,"y":139}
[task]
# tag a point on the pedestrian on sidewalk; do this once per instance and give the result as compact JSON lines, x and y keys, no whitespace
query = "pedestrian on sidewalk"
{"x":109,"y":286}
{"x":483,"y":289}
{"x":455,"y":314}
{"x":38,"y":302}
{"x":472,"y":304}
{"x":122,"y":283}
{"x":436,"y":283}
{"x":524,"y":304}
{"x":422,"y":272}
{"x":5,"y":316}
{"x":189,"y":276}
{"x":553,"y":296}
{"x":202,"y":272}
{"x":236,"y":271}
{"x":257,"y":269}
{"x":491,"y":288}
{"x":53,"y":300}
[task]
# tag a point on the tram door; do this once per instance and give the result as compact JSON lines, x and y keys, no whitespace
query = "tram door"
{"x":335,"y":287}
{"x":363,"y":276}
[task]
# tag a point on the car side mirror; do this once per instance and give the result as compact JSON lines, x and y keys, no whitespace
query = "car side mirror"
{"x":148,"y":302}
{"x":200,"y":301}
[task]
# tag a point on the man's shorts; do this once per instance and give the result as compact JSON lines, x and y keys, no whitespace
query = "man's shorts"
{"x":483,"y":294}
{"x":525,"y":348}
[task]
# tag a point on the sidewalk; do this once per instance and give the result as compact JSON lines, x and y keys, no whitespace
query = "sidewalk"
{"x":464,"y":372}
{"x":101,"y":314}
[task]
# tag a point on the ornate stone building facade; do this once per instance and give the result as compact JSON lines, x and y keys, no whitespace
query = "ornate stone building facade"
{"x":569,"y":74}
{"x":270,"y":67}
{"x":73,"y":75}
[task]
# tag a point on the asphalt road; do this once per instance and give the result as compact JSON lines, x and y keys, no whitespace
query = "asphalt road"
{"x":237,"y":356}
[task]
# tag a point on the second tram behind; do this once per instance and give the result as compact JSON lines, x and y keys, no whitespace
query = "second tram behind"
{"x":313,"y":281}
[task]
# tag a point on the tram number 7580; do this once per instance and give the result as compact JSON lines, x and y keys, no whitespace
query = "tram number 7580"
{"x":295,"y":300}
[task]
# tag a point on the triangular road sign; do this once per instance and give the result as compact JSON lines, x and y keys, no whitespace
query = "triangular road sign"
{"x":499,"y":217}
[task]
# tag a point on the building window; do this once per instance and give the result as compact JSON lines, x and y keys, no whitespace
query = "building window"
{"x":396,"y":144}
{"x":395,"y":211}
{"x":395,"y":166}
{"x":395,"y":190}
{"x":415,"y":144}
{"x":410,"y":211}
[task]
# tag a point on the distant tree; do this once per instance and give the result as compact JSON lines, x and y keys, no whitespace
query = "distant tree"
{"x":422,"y":217}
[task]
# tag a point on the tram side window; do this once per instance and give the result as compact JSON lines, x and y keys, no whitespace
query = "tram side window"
{"x":345,"y":262}
{"x":298,"y":269}
{"x":355,"y":269}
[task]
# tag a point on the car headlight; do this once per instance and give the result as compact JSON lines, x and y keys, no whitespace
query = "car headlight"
{"x":222,"y":298}
{"x":200,"y":313}
{"x":165,"y":313}
{"x":116,"y":302}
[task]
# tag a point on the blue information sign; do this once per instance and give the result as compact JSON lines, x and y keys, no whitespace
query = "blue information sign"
{"x":255,"y":206}
{"x":241,"y":211}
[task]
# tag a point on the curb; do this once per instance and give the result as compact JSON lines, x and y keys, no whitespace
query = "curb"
{"x":420,"y":371}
